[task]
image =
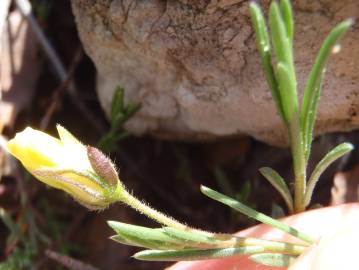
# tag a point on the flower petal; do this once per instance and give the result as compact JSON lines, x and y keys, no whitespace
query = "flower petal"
{"x":35,"y":149}
{"x":76,"y":148}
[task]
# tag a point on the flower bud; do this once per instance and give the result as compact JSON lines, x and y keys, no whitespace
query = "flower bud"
{"x":103,"y":166}
{"x":66,"y":164}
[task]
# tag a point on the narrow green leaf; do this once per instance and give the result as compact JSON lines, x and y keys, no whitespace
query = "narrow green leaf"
{"x":280,"y":40}
{"x":329,"y":158}
{"x":307,"y":130}
{"x":194,"y":237}
{"x":125,"y":241}
{"x":288,"y":92}
{"x":264,"y":48}
{"x":285,"y":72}
{"x":143,"y":236}
{"x":259,"y":27}
{"x":132,"y":108}
{"x":278,"y":182}
{"x":287,"y":14}
{"x":117,"y":102}
{"x":137,"y":242}
{"x":277,"y":211}
{"x":311,"y":88}
{"x":194,"y":254}
{"x":254,"y":214}
{"x":273,"y":259}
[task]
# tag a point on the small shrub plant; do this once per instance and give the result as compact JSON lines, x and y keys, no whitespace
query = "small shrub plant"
{"x":91,"y":178}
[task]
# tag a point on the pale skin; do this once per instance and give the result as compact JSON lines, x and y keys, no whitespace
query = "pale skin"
{"x":338,"y":251}
{"x":336,"y":229}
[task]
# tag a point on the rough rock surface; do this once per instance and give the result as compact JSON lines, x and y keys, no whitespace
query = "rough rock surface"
{"x":194,"y":66}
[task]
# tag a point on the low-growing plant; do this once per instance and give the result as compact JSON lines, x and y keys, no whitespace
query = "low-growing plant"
{"x":91,"y":178}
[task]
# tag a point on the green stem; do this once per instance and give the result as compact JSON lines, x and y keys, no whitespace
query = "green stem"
{"x":298,"y":163}
{"x":299,"y":186}
{"x":146,"y":210}
{"x":161,"y":218}
{"x":275,"y":246}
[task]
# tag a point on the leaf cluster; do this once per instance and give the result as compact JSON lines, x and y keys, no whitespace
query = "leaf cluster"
{"x":176,"y":241}
{"x":175,"y":244}
{"x":120,"y":114}
{"x":276,"y":52}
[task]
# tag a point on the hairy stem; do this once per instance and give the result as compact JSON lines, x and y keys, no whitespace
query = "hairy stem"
{"x":299,"y":165}
{"x":148,"y":211}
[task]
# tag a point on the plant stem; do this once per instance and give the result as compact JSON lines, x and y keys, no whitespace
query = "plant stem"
{"x":273,"y":246}
{"x":299,"y":164}
{"x":146,"y":210}
{"x":299,"y":187}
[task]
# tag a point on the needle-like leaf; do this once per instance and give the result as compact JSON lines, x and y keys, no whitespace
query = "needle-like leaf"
{"x":278,"y":182}
{"x":254,"y":214}
{"x":311,"y":88}
{"x":191,"y":237}
{"x":287,"y":14}
{"x":288,"y":92}
{"x":285,"y":73}
{"x":280,"y":40}
{"x":264,"y":48}
{"x":137,"y":242}
{"x":307,"y":133}
{"x":117,"y":102}
{"x":329,"y":158}
{"x":195,"y":254}
{"x":143,"y":236}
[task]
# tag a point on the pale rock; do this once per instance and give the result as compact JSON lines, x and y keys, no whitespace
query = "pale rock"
{"x":194,"y":66}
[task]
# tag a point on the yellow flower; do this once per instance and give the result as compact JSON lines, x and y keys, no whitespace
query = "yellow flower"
{"x":66,"y":164}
